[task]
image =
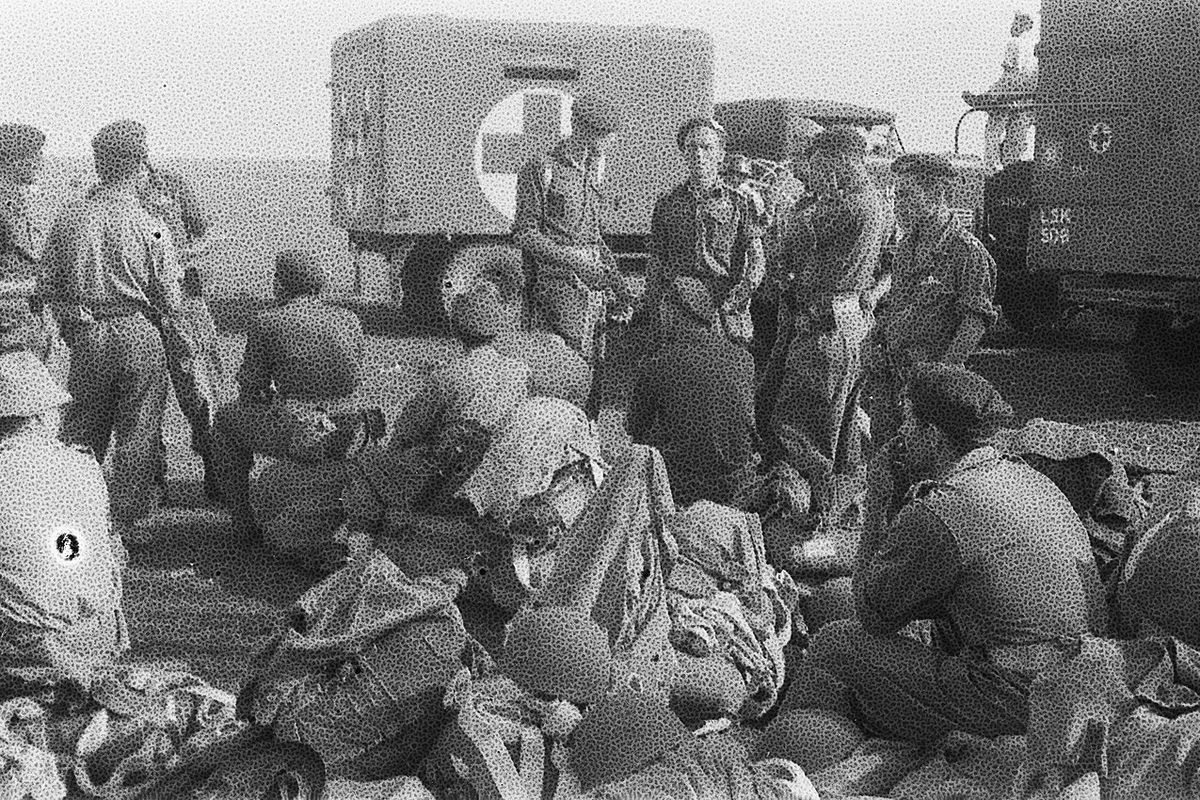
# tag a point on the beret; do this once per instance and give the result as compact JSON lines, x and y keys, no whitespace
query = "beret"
{"x":20,"y":140}
{"x":699,"y":122}
{"x":924,"y":165}
{"x":26,"y":387}
{"x":597,"y":113}
{"x":962,"y":403}
{"x":558,"y":651}
{"x":122,"y":139}
{"x":300,"y":272}
{"x":481,"y":311}
{"x":838,"y":139}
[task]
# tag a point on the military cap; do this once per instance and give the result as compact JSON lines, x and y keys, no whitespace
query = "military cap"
{"x":597,"y":113}
{"x":17,"y":139}
{"x":840,"y":139}
{"x":693,"y":299}
{"x":299,"y":272}
{"x":962,"y":403}
{"x":696,"y":123}
{"x":623,"y":733}
{"x":26,"y":388}
{"x":482,"y":311}
{"x":122,"y":139}
{"x":928,"y":166}
{"x":499,"y":264}
{"x":558,"y":651}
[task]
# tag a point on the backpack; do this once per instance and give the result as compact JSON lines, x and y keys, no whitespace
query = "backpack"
{"x":360,"y":672}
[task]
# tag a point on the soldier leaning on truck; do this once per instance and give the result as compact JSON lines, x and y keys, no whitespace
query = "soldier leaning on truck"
{"x":557,"y":225}
{"x":705,"y":229}
{"x":942,"y":287}
{"x":21,"y":322}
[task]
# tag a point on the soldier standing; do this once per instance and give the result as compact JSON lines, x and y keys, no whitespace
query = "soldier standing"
{"x":190,"y":337}
{"x":557,"y":225}
{"x":942,"y":289}
{"x":815,"y":367}
{"x":111,"y":276}
{"x":21,"y":322}
{"x":705,"y":229}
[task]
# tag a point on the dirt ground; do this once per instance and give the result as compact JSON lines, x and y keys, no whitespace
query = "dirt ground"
{"x":197,"y":600}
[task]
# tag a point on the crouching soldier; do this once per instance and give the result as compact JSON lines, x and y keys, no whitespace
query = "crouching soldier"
{"x":60,"y":606}
{"x":988,"y":549}
{"x":302,"y":365}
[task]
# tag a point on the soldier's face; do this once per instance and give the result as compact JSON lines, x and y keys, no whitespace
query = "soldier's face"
{"x":704,"y":154}
{"x":916,"y":203}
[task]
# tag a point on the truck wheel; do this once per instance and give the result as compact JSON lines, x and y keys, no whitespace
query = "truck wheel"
{"x":1030,"y":300}
{"x":421,"y":273}
{"x":1165,"y":356}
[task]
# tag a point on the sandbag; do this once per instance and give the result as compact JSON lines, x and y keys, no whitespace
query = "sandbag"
{"x":360,"y":673}
{"x":1161,"y":579}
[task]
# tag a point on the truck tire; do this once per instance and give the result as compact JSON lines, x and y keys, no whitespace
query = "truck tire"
{"x":421,"y":273}
{"x":1164,"y":356}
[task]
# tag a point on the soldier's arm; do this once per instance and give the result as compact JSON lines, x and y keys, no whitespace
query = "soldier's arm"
{"x":911,"y":574}
{"x":527,"y":225}
{"x":974,"y":299}
{"x":166,"y":274}
{"x":643,"y":403}
{"x":656,"y":263}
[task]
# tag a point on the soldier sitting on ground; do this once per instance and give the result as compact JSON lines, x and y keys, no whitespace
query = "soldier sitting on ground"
{"x":302,"y":366}
{"x":988,"y":549}
{"x":60,"y":609}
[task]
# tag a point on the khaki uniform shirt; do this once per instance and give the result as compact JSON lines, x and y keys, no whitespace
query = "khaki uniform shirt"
{"x":107,"y":256}
{"x":937,"y":280}
{"x":993,"y":551}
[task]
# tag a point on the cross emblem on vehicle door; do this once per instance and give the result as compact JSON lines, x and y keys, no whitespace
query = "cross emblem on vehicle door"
{"x":1100,"y":138}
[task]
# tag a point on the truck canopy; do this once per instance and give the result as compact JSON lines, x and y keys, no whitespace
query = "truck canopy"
{"x":772,"y":128}
{"x":433,"y":117}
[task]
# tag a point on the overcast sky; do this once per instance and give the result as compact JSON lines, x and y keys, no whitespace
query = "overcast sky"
{"x":248,"y":79}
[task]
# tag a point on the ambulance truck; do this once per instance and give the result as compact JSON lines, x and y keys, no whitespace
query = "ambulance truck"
{"x":1108,"y":213}
{"x":433,"y":117}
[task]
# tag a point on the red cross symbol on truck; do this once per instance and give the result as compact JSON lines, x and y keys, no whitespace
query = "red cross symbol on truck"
{"x":541,"y":130}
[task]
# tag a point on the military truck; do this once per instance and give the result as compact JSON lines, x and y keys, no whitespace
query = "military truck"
{"x":434,"y":116}
{"x":1106,"y":215}
{"x":772,"y":128}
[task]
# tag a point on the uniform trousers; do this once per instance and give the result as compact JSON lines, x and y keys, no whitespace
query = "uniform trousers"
{"x":287,"y":429}
{"x":901,"y":689}
{"x":815,"y":375}
{"x":197,"y":373}
{"x":118,"y":384}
